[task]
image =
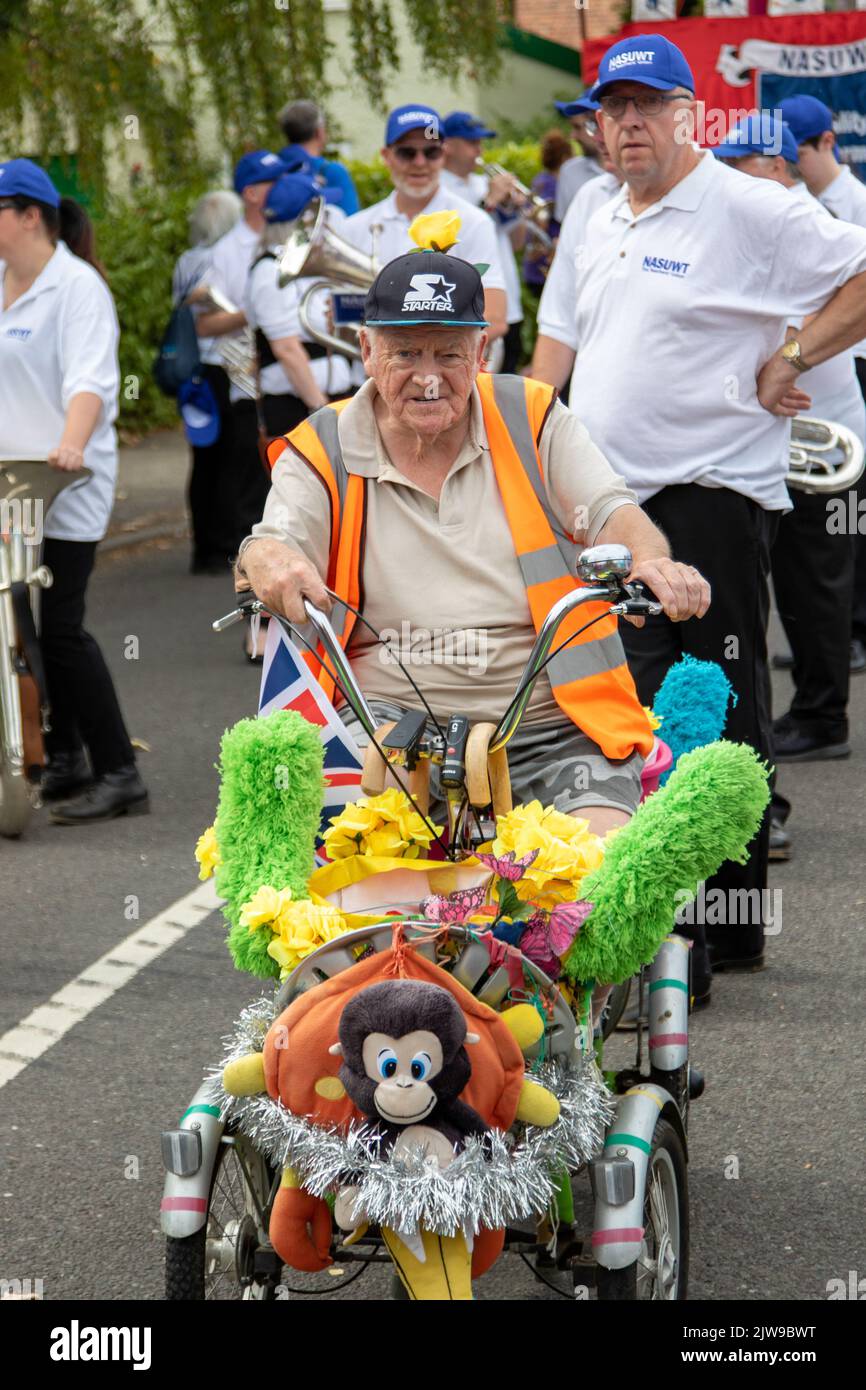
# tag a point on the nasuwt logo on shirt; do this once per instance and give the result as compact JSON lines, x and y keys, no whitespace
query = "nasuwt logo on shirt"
{"x":636,"y":55}
{"x":661,"y":265}
{"x":18,"y":332}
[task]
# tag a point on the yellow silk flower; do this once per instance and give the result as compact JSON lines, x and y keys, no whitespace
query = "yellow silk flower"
{"x":435,"y":231}
{"x":207,"y":854}
{"x":300,"y":929}
{"x":567,"y":852}
{"x":264,"y":907}
{"x":387,"y":825}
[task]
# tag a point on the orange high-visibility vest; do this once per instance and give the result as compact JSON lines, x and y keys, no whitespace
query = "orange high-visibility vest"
{"x":590,"y":679}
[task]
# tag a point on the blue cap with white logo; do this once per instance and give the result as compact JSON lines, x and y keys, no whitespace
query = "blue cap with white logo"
{"x":23,"y":178}
{"x":259,"y":166}
{"x":462,"y":125}
{"x":806,"y":116}
{"x":290,"y":195}
{"x":412,"y":117}
{"x":583,"y":106}
{"x":650,"y":59}
{"x":758,"y":134}
{"x":199,"y":411}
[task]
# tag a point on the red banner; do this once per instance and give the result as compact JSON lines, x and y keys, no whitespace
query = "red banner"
{"x":726,"y":54}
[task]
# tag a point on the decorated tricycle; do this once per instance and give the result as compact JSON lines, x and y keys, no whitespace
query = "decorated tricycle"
{"x":424,"y":1086}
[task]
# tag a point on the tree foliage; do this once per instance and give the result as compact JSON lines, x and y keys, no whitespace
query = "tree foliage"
{"x":76,"y":71}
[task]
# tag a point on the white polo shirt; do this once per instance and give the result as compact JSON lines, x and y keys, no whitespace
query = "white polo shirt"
{"x":557,"y":308}
{"x":230,"y":261}
{"x":833,"y":384}
{"x":573,"y":174}
{"x":474,"y":190}
{"x":275,"y":312}
{"x":845,"y":197}
{"x":57,"y":340}
{"x":677,"y":311}
{"x":383,"y":231}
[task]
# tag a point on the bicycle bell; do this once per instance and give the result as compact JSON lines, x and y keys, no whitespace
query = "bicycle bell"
{"x":605,"y":564}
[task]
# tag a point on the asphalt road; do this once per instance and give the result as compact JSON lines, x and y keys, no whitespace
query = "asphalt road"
{"x":777,"y":1142}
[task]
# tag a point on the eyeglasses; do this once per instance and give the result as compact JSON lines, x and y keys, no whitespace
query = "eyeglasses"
{"x":651,"y":104}
{"x":6,"y":203}
{"x":408,"y":152}
{"x":585,"y":126}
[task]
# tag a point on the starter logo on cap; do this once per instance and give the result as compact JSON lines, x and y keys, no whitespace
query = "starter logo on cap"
{"x":422,"y":296}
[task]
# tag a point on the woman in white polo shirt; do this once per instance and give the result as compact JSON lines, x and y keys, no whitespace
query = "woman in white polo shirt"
{"x":58,"y":399}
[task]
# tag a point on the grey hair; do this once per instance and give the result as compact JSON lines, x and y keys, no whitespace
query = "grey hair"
{"x":214,"y":215}
{"x":299,"y":121}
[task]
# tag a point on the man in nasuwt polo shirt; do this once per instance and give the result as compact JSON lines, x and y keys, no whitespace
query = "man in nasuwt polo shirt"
{"x":451,"y":511}
{"x":681,"y":373}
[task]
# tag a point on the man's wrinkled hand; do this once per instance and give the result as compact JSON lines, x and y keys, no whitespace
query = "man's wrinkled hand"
{"x":680,"y":589}
{"x":282,"y":578}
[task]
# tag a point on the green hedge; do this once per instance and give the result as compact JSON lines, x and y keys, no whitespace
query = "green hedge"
{"x":139,"y":238}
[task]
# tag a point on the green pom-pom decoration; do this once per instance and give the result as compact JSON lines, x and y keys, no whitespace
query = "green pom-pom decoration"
{"x":270,"y":809}
{"x":707,"y":813}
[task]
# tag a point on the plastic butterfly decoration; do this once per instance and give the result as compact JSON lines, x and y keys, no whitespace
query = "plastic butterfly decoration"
{"x":456,"y":908}
{"x":507,"y":865}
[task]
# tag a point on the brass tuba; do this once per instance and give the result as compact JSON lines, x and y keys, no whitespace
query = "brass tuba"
{"x":823,"y":456}
{"x":313,"y":248}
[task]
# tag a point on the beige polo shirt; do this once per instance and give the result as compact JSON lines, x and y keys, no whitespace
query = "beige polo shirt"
{"x":441,"y":580}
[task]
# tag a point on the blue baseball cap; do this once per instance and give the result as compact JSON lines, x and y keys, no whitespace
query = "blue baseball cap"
{"x":806,"y":116}
{"x":199,"y":412}
{"x":462,"y":125}
{"x":583,"y":106}
{"x":259,"y":166}
{"x":21,"y":177}
{"x":762,"y":133}
{"x":649,"y":59}
{"x":295,"y":159}
{"x":290,"y":195}
{"x":412,"y":117}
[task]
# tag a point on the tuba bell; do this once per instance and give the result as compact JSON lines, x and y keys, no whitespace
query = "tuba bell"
{"x":823,"y":456}
{"x":313,"y":248}
{"x":237,"y":350}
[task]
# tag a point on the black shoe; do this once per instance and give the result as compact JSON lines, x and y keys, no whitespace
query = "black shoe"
{"x":780,"y":842}
{"x":748,"y":964}
{"x":702,"y":997}
{"x":794,"y":744}
{"x":782,"y":661}
{"x":858,"y":656}
{"x":65,"y":774}
{"x":119,"y":793}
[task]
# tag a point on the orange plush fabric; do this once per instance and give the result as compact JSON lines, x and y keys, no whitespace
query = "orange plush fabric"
{"x":300,"y":1229}
{"x":296,"y":1047}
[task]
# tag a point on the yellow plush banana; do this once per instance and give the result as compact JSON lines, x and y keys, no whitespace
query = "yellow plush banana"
{"x":246,"y":1076}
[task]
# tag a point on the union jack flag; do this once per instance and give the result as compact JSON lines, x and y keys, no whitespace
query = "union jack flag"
{"x":288,"y":683}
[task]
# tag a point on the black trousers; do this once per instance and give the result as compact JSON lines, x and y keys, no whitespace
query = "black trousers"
{"x":212,"y":485}
{"x":813,"y":578}
{"x":858,"y":615}
{"x":513,"y":344}
{"x":728,"y":538}
{"x":282,"y":413}
{"x":84,"y":707}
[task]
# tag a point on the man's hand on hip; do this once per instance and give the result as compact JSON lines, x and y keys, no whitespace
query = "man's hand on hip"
{"x":680,"y":589}
{"x":282,"y":578}
{"x":777,"y":389}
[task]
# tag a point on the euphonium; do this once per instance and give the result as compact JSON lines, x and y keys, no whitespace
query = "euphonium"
{"x":313,"y":248}
{"x":823,"y":456}
{"x":237,"y":350}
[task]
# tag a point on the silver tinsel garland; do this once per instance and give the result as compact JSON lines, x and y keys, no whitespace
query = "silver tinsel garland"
{"x":493,"y":1182}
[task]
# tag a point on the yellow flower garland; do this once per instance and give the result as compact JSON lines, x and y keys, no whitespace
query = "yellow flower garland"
{"x":387,"y":826}
{"x":207,"y":853}
{"x":567,"y":852}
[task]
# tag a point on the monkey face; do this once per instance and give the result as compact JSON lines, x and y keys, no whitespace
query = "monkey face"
{"x":402,"y":1070}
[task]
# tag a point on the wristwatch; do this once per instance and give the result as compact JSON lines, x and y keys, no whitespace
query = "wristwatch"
{"x":791,"y":354}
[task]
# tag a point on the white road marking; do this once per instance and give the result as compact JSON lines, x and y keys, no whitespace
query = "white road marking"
{"x":47,"y":1023}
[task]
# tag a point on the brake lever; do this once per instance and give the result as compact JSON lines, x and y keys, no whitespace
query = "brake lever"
{"x":636,"y":604}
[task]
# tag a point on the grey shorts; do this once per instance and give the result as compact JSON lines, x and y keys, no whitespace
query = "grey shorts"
{"x":551,"y":763}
